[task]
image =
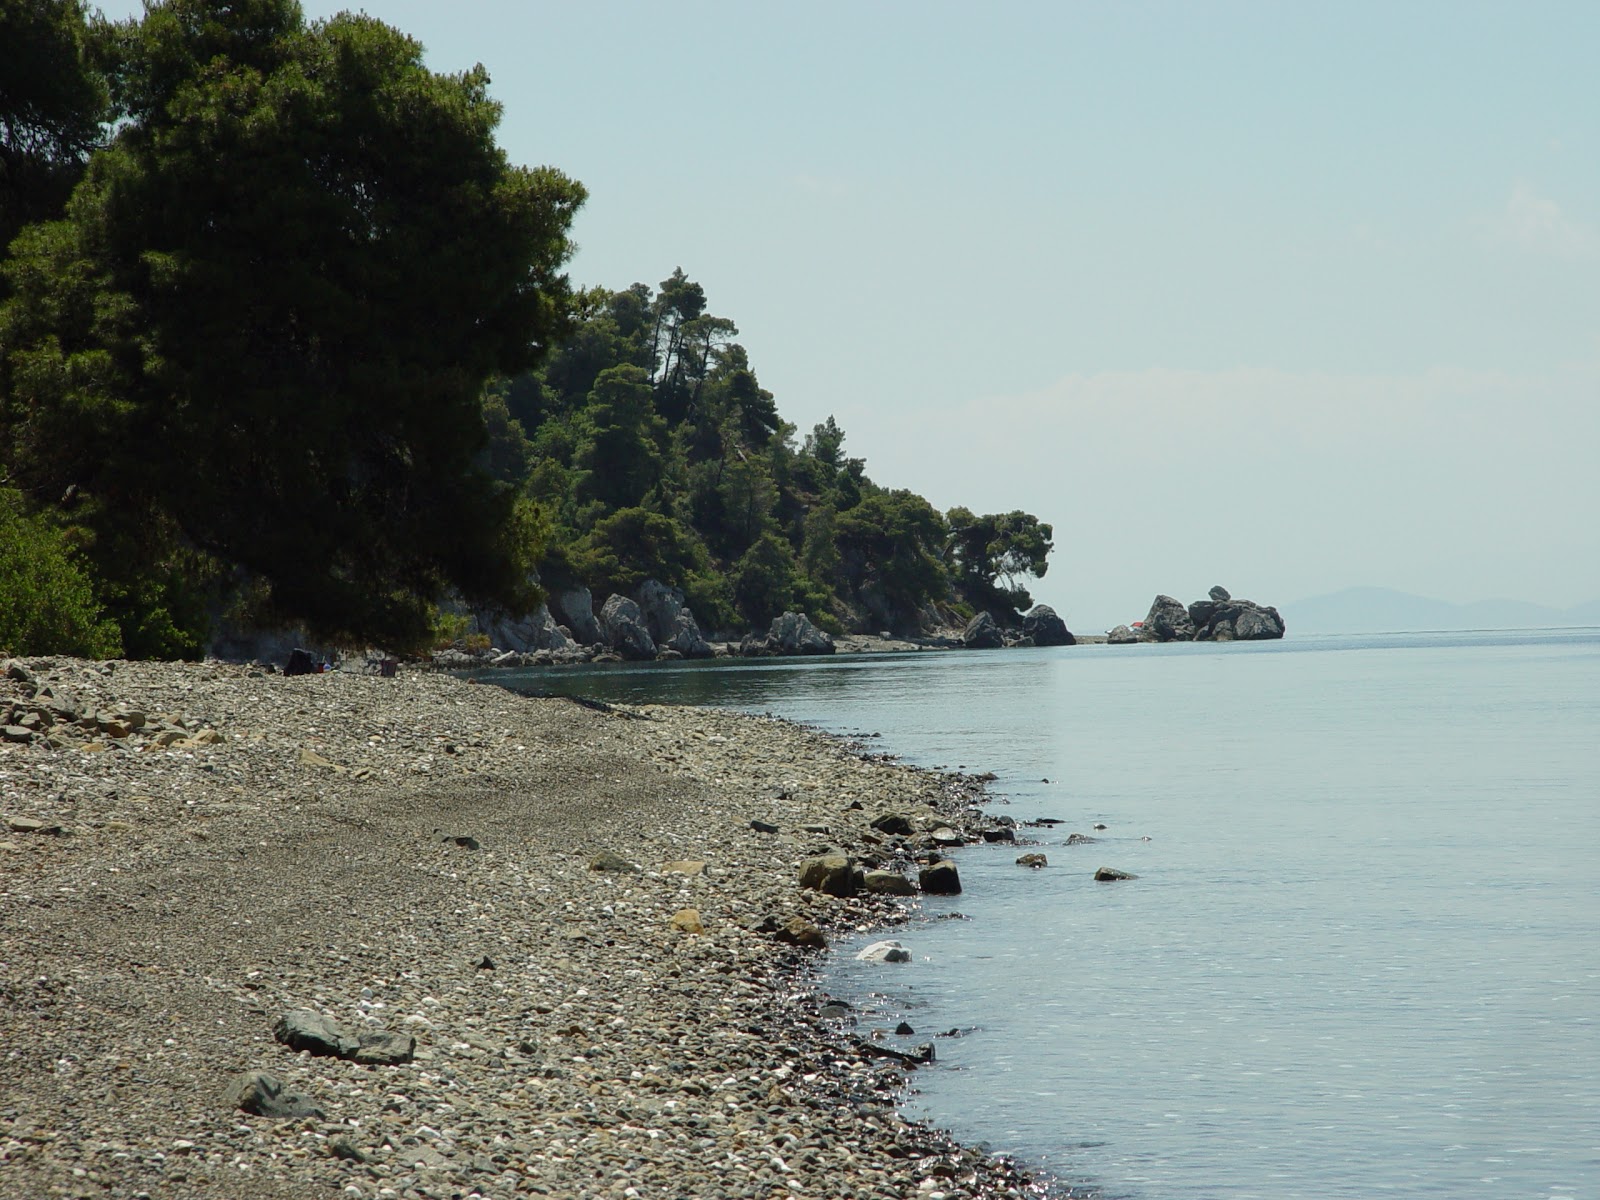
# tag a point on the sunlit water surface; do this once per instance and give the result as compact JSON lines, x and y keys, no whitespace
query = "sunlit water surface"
{"x":1362,"y":956}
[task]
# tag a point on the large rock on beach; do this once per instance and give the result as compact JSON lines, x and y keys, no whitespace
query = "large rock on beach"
{"x":1045,"y":628}
{"x":940,"y":879}
{"x":523,"y":635}
{"x":831,"y":874}
{"x":622,"y":625}
{"x":315,"y":1034}
{"x":794,"y":634}
{"x":982,"y":633}
{"x":886,"y":883}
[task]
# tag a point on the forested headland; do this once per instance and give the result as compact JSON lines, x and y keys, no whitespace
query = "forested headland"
{"x":286,"y":340}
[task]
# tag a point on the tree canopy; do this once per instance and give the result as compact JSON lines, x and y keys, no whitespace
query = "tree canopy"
{"x":255,"y":342}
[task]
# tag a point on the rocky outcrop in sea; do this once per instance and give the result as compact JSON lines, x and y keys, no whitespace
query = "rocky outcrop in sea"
{"x":1218,"y":618}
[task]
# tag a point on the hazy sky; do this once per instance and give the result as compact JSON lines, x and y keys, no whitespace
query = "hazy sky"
{"x":1288,"y":297}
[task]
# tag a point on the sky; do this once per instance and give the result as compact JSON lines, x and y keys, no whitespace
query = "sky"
{"x":1286,"y":297}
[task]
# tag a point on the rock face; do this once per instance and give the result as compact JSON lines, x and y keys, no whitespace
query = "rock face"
{"x":1045,"y":628}
{"x":1219,"y":618}
{"x":1168,"y":621}
{"x":793,"y":633}
{"x":982,"y":633}
{"x":623,"y":629}
{"x":537,"y":631}
{"x":574,"y":608}
{"x":669,"y":622}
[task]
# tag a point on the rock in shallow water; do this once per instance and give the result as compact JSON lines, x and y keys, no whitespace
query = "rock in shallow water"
{"x":884,"y":952}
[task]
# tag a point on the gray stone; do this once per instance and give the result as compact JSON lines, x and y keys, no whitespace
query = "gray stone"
{"x":574,"y":608}
{"x":982,"y":633}
{"x":384,"y":1049}
{"x":1219,"y":594}
{"x":940,"y":879}
{"x":623,"y":626}
{"x":315,"y":1034}
{"x":262,"y":1094}
{"x":884,"y":952}
{"x":1121,"y":636}
{"x":894,"y":824}
{"x":1045,"y":628}
{"x":793,"y":633}
{"x":1033,"y":860}
{"x":615,"y":864}
{"x":1168,"y":621}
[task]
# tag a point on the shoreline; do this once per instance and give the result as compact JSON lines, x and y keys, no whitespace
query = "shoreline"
{"x":412,"y":855}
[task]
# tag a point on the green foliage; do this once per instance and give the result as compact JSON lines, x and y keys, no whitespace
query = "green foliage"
{"x":991,"y":555}
{"x":659,"y":455}
{"x":47,"y":601}
{"x":53,"y":99}
{"x":260,"y":333}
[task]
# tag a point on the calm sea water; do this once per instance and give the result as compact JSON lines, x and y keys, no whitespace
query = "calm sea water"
{"x":1362,"y":956}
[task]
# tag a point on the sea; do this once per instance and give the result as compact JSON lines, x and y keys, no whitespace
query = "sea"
{"x":1361,"y":956}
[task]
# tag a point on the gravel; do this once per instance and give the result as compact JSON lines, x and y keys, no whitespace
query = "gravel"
{"x":189,"y":853}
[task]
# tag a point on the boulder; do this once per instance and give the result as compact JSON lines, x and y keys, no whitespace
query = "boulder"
{"x":1111,"y":875}
{"x":1168,"y":621}
{"x":1121,"y":636}
{"x":262,"y":1094}
{"x":316,"y":1034}
{"x":831,"y":874}
{"x":886,"y":883}
{"x":574,"y":608}
{"x":793,"y":633}
{"x":982,"y":633}
{"x":1219,"y":594}
{"x":623,"y":629}
{"x":1255,"y":623}
{"x":801,"y":932}
{"x":884,"y":952}
{"x":385,"y":1049}
{"x":1045,"y":628}
{"x":894,"y":824}
{"x":669,"y":621}
{"x":1033,"y":860}
{"x":940,"y":879}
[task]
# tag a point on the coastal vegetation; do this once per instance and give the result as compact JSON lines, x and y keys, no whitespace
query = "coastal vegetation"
{"x":286,"y":340}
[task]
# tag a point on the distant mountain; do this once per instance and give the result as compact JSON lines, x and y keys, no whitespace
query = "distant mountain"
{"x":1384,"y":610}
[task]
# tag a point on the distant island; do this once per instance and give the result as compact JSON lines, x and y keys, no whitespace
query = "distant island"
{"x":1385,"y":610}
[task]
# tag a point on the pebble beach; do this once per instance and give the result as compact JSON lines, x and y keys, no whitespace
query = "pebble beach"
{"x":554,"y":941}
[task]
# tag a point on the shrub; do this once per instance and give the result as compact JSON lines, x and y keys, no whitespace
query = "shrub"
{"x":47,"y":600}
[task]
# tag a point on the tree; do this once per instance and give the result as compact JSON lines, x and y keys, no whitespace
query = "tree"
{"x":619,"y":440}
{"x":53,"y":101}
{"x":47,"y":602}
{"x":889,"y":547}
{"x":993,"y":553}
{"x":269,"y":312}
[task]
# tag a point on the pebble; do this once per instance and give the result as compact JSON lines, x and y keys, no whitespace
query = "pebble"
{"x":141,"y":968}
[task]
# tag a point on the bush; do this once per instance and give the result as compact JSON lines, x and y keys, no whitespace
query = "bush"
{"x":47,"y":601}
